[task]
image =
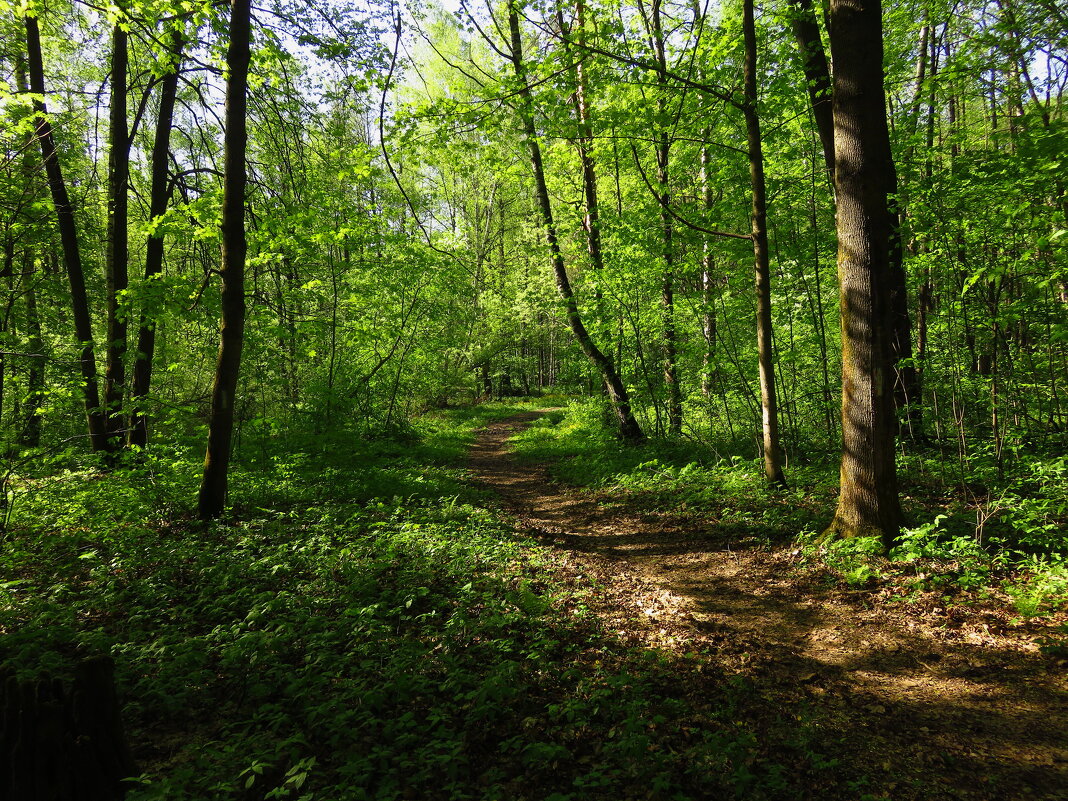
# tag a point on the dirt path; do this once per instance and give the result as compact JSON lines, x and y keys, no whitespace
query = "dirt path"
{"x":938,"y":707}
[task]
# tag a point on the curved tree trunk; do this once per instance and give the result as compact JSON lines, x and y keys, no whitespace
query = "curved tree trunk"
{"x":868,"y":504}
{"x":232,"y":270}
{"x":628,"y":426}
{"x":68,"y":234}
{"x":817,"y":76}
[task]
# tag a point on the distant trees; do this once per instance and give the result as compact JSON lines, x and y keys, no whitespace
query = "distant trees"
{"x":572,"y":196}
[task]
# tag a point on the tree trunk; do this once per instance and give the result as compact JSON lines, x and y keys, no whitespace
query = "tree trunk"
{"x":628,"y":426}
{"x":63,"y":741}
{"x":667,"y":287}
{"x":817,"y":76}
{"x":116,"y":266}
{"x":35,"y":375}
{"x":868,"y":504}
{"x":146,"y":337}
{"x":232,"y":269}
{"x":68,"y":234}
{"x":768,"y":398}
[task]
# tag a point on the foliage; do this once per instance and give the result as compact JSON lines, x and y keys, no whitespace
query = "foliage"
{"x":361,"y":629}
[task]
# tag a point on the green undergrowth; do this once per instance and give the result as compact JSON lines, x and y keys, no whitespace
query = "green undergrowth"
{"x":988,"y":535}
{"x":361,"y":627}
{"x":678,"y":477}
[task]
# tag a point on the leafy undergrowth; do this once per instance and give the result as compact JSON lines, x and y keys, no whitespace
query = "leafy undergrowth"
{"x":362,"y":628}
{"x":987,"y":538}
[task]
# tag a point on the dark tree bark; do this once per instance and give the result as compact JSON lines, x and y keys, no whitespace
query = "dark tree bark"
{"x":868,"y":504}
{"x":159,"y":196}
{"x":817,"y":75}
{"x":628,"y":426}
{"x":765,"y":344}
{"x":63,"y":741}
{"x":116,"y":267}
{"x":232,"y":269}
{"x":68,"y":234}
{"x":30,"y":436}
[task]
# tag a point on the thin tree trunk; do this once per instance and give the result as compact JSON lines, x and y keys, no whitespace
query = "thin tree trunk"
{"x":7,"y":273}
{"x":591,"y":221}
{"x":667,"y":286}
{"x":146,"y":336}
{"x":68,"y":234}
{"x":35,"y":375}
{"x":232,"y":270}
{"x":868,"y":503}
{"x":768,"y":396}
{"x":628,"y":426}
{"x":116,"y":267}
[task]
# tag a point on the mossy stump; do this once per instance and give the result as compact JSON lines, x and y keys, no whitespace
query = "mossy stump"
{"x":63,"y":740}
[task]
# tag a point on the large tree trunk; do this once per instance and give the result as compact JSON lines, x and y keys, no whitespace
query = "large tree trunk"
{"x":116,"y":267}
{"x":868,"y":504}
{"x":628,"y":426}
{"x":232,"y":270}
{"x":817,"y":76}
{"x":768,"y":397}
{"x":146,"y":337}
{"x":68,"y":234}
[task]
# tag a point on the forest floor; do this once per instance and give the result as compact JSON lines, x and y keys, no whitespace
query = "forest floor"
{"x":932,"y":702}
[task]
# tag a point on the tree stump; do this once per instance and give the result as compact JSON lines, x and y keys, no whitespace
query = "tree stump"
{"x":63,"y":740}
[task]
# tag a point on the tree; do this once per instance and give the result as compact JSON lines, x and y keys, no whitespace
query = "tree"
{"x":868,"y":503}
{"x":159,"y":195}
{"x":232,"y":269}
{"x":68,"y":233}
{"x":116,"y":268}
{"x":768,"y":396}
{"x":628,"y":426}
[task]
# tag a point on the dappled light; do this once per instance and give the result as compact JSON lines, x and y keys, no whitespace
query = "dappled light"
{"x":650,"y":400}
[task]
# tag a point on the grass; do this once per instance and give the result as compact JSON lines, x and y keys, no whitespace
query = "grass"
{"x":1010,"y":542}
{"x":361,"y":627}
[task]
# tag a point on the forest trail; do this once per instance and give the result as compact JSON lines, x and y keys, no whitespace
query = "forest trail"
{"x":935,"y":705}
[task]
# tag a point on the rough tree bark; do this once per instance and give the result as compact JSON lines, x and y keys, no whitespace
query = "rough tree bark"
{"x":63,"y":740}
{"x":868,"y":503}
{"x":817,"y":75}
{"x":232,"y":269}
{"x":628,"y":426}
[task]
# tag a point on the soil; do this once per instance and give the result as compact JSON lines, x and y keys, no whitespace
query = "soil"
{"x":936,"y":703}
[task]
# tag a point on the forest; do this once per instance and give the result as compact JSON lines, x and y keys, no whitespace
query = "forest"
{"x":533,"y":399}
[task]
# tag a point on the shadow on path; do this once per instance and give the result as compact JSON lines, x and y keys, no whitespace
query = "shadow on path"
{"x":931,"y":708}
